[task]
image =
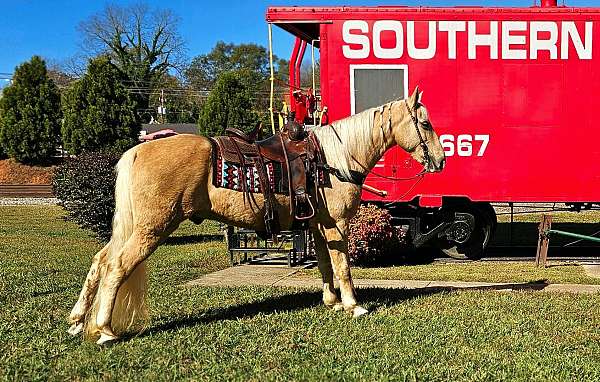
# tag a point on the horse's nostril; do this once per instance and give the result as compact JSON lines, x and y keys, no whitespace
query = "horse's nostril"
{"x":443,"y":164}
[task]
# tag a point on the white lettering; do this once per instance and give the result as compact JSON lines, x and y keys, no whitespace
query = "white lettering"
{"x":464,"y":144}
{"x":388,"y":25}
{"x":476,"y":40}
{"x":536,"y":45}
{"x":356,"y":39}
{"x":518,"y":40}
{"x":421,"y":53}
{"x":584,"y":51}
{"x":508,"y":40}
{"x":451,"y":27}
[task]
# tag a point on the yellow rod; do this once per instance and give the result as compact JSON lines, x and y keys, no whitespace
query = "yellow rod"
{"x":272,"y":78}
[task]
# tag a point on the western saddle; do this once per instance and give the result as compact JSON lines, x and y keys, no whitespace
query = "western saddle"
{"x":299,"y":156}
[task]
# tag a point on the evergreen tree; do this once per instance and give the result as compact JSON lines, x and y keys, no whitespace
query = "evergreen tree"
{"x":98,"y":112}
{"x":30,"y":114}
{"x":229,"y":104}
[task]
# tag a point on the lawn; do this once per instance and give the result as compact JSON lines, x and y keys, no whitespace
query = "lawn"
{"x":270,"y":333}
{"x":520,"y":272}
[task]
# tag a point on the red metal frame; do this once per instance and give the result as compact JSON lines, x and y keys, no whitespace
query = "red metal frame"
{"x":541,"y":114}
{"x":292,"y":71}
{"x":298,"y":64}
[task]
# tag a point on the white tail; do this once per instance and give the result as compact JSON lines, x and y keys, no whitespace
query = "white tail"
{"x":130,"y":303}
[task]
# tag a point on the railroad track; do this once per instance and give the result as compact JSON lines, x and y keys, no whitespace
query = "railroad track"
{"x":26,"y":191}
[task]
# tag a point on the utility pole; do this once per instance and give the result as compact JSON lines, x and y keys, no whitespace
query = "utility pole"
{"x":162,"y":111}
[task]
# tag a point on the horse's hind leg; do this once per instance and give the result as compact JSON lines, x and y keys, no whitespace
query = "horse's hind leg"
{"x":119,"y":267}
{"x":90,"y":286}
{"x":337,"y":243}
{"x":330,"y":298}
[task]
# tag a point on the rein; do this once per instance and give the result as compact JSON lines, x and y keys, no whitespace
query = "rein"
{"x":359,"y":178}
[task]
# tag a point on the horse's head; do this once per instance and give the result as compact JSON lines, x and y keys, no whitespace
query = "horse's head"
{"x":413,"y":131}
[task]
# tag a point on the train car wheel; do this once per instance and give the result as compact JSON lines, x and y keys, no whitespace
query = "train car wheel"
{"x":467,"y":239}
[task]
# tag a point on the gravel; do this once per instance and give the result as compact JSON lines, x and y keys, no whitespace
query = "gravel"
{"x":27,"y":201}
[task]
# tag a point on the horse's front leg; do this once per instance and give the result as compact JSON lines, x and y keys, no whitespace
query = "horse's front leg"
{"x":337,"y":243}
{"x":330,"y":297}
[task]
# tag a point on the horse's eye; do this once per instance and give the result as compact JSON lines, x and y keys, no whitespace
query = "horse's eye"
{"x":426,"y":125}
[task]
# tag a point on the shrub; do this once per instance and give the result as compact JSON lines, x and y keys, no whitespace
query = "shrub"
{"x":30,"y":114}
{"x":228,"y":105}
{"x":85,"y":188}
{"x":373,"y":239}
{"x":99,"y":113}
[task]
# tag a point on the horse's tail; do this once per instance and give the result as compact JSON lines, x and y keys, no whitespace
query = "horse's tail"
{"x":130,"y":303}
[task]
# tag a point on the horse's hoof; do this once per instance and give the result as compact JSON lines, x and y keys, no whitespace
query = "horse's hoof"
{"x":75,"y":329}
{"x":337,"y":307}
{"x":359,"y":311}
{"x":106,"y":339}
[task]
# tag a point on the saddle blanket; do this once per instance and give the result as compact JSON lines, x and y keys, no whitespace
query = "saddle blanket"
{"x":230,"y":175}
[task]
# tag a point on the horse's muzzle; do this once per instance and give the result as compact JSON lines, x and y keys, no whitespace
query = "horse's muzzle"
{"x":437,"y":167}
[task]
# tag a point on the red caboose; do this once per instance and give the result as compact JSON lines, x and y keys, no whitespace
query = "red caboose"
{"x":510,"y":91}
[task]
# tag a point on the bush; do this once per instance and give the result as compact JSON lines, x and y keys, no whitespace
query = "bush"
{"x":99,"y":113}
{"x":228,"y":105}
{"x":30,"y":114}
{"x":373,"y":239}
{"x":85,"y":188}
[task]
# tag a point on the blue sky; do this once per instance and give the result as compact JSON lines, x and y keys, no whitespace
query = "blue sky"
{"x":49,"y":28}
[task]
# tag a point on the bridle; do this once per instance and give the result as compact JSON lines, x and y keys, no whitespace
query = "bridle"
{"x":422,"y":143}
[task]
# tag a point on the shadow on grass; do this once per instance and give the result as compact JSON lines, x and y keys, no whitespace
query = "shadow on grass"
{"x":192,"y":239}
{"x":374,"y":298}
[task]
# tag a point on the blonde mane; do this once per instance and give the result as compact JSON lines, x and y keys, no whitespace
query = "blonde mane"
{"x":354,"y":133}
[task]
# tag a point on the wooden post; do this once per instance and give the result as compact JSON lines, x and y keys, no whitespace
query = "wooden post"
{"x":541,"y":255}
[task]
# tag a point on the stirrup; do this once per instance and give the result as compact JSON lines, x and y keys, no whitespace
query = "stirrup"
{"x":305,"y":199}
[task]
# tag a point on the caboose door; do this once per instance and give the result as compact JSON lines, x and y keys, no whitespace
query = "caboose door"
{"x":374,"y":85}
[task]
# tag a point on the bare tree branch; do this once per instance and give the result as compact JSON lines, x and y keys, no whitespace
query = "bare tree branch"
{"x":143,"y":44}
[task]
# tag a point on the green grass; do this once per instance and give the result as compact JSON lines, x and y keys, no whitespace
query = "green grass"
{"x":521,"y":272}
{"x":270,"y":333}
{"x":583,"y":217}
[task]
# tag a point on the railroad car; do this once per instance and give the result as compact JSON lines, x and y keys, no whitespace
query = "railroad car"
{"x":512,"y":93}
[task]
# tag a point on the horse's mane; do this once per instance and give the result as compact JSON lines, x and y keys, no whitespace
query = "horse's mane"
{"x":354,"y":134}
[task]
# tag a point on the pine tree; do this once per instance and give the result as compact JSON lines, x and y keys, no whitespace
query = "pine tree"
{"x":99,"y":114}
{"x":228,"y":105}
{"x":30,"y":114}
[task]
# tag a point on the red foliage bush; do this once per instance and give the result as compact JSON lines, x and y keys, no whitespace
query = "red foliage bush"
{"x":373,"y":239}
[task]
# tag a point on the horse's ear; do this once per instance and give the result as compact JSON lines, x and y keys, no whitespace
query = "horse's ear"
{"x":414,"y":98}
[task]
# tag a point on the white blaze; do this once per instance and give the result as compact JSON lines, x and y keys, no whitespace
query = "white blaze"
{"x":356,"y":39}
{"x":388,"y":25}
{"x":508,"y":39}
{"x":421,"y":53}
{"x":584,"y":51}
{"x":536,"y":45}
{"x":476,"y":39}
{"x":452,"y":27}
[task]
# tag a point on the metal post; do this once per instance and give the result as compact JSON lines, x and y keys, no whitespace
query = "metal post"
{"x":246,"y":246}
{"x":229,"y":242}
{"x":573,"y":235}
{"x":541,"y":255}
{"x":510,"y":228}
{"x":272,"y":79}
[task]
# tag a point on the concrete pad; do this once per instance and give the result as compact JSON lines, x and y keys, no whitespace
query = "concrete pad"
{"x":592,"y":270}
{"x":282,"y":276}
{"x":573,"y":288}
{"x":243,"y":275}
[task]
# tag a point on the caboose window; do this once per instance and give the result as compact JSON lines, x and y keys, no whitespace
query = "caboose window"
{"x":373,"y":85}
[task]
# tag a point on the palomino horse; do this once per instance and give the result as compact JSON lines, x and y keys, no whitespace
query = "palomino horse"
{"x":162,"y":183}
